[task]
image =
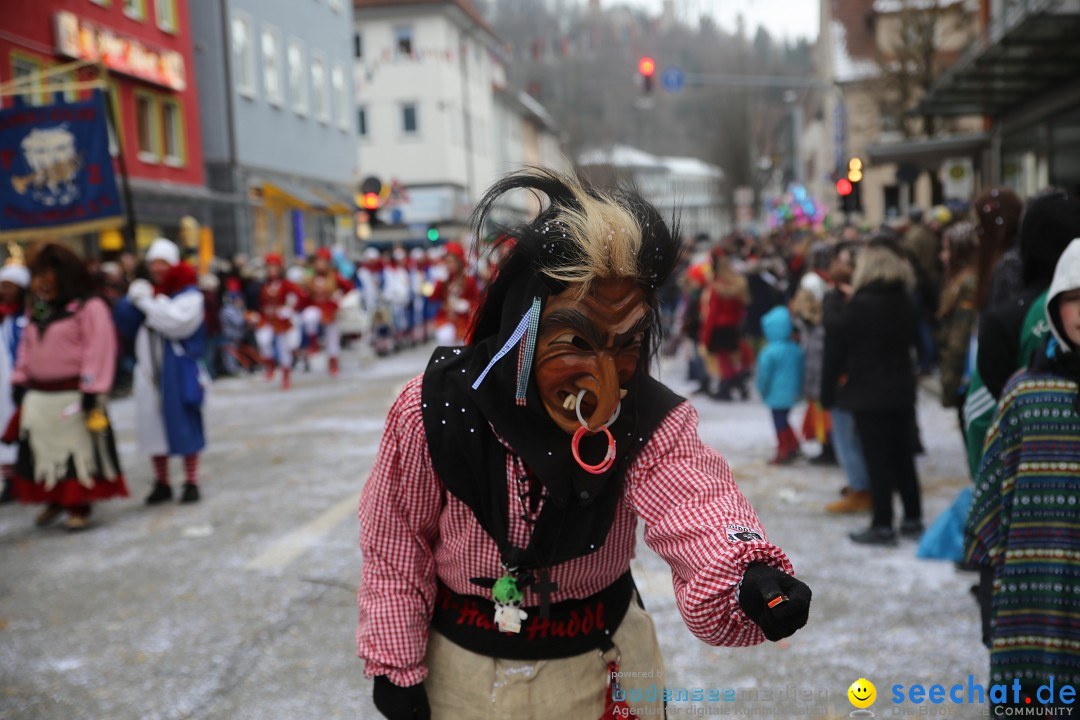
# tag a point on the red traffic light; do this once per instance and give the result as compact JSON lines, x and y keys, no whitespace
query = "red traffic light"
{"x":370,"y":201}
{"x":843,"y":186}
{"x":647,"y":66}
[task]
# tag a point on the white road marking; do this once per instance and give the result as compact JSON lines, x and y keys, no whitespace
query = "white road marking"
{"x":300,"y":540}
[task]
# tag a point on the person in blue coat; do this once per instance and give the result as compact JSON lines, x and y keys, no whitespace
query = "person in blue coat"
{"x":780,"y":368}
{"x":166,"y":317}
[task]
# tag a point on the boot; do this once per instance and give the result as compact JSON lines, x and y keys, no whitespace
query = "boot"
{"x":334,"y":367}
{"x":827,"y":456}
{"x":740,"y":385}
{"x":792,"y":446}
{"x":286,"y":378}
{"x":8,"y":496}
{"x":875,"y":536}
{"x":724,"y":391}
{"x":852,"y":502}
{"x":270,"y":367}
{"x":912,"y":529}
{"x":50,"y":513}
{"x":162,"y":493}
{"x":190,"y":494}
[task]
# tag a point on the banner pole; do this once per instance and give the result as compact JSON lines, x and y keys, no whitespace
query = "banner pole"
{"x":129,"y":204}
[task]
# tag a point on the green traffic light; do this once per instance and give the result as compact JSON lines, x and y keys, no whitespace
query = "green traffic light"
{"x":433,"y":234}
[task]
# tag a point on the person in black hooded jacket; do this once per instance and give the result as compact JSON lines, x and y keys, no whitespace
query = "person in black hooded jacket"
{"x":868,"y":369}
{"x":1050,"y":223}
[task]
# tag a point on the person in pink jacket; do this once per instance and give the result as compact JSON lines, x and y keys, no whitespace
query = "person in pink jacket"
{"x":63,"y":368}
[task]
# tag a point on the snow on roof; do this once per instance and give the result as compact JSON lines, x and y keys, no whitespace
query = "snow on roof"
{"x":620,"y":156}
{"x":845,"y":67}
{"x":691,"y":166}
{"x":895,"y":6}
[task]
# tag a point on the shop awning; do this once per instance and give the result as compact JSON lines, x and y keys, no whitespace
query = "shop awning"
{"x":930,"y":152}
{"x":291,"y":195}
{"x":183,"y":192}
{"x":337,"y":203}
{"x":1024,"y":54}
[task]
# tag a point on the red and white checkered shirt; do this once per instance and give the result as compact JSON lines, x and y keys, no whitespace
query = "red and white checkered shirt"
{"x":412,"y":531}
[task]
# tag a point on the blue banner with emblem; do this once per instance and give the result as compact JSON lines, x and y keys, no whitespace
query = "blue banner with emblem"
{"x":56,"y":174}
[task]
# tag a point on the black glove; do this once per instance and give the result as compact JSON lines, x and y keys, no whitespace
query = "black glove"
{"x":401,"y":703}
{"x":89,"y":402}
{"x":18,"y":392}
{"x":762,"y":584}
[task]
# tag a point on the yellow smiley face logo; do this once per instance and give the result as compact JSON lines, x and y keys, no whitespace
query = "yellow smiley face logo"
{"x":862,"y":693}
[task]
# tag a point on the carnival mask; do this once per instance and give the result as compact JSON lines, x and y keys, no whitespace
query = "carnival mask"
{"x":589,"y":348}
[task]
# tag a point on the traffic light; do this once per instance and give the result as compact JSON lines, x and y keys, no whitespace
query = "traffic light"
{"x":370,"y":198}
{"x":843,"y":187}
{"x":433,"y":234}
{"x":854,"y":170}
{"x":647,"y":68}
{"x":853,"y":200}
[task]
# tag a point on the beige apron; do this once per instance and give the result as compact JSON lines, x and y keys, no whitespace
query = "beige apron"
{"x":463,"y":685}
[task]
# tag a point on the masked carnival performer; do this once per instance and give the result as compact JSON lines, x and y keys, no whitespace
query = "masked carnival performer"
{"x":278,"y":334}
{"x":64,"y":367}
{"x":166,"y":316}
{"x":498,"y":523}
{"x":457,"y":296}
{"x":325,"y":289}
{"x":14,"y":282}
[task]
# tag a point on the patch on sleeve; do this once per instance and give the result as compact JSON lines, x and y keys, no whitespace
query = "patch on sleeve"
{"x":738,"y":533}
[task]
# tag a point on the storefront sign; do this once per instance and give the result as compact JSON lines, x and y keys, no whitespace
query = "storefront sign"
{"x":79,"y":39}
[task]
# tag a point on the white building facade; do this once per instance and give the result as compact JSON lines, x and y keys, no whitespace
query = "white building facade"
{"x":425,"y":81}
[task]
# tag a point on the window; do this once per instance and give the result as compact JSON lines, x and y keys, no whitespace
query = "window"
{"x":243,"y":48}
{"x":361,"y":121}
{"x":135,"y":9}
{"x":298,"y":77}
{"x":148,"y":126}
{"x":409,"y":120}
{"x":271,"y":59}
{"x":403,"y":40}
{"x":66,"y":78}
{"x":173,"y":126}
{"x":320,"y":87}
{"x":341,"y":96}
{"x":358,"y":45}
{"x":165,"y":14}
{"x":29,"y":71}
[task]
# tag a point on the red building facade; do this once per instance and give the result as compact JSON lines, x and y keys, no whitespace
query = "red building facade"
{"x":146,"y":47}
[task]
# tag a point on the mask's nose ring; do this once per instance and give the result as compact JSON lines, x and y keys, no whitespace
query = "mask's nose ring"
{"x":609,"y":458}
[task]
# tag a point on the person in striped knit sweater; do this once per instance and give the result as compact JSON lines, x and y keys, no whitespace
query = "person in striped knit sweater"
{"x":1022,"y":522}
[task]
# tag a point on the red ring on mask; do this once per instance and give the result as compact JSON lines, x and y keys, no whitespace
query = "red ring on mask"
{"x":608,"y":460}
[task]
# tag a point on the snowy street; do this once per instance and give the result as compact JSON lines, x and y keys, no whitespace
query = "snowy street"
{"x":243,"y":606}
